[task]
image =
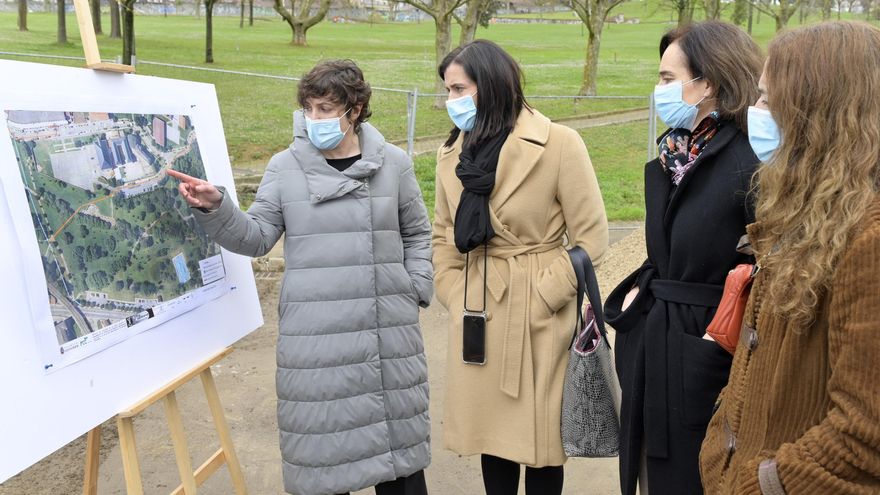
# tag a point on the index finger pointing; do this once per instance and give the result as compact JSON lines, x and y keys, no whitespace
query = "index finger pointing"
{"x":181,"y":176}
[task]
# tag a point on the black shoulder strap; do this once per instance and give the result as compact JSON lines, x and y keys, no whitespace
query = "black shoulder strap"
{"x":589,"y":285}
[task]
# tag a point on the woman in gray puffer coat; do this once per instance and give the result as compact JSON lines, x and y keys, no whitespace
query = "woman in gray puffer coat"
{"x":352,"y":376}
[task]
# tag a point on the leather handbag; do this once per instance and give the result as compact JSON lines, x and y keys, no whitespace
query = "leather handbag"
{"x":727,"y":323}
{"x":591,"y":394}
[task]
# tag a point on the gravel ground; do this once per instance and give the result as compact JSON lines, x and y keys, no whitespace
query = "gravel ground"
{"x":245,"y":380}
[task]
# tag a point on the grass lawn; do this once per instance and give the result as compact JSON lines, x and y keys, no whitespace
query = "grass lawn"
{"x":256,"y":112}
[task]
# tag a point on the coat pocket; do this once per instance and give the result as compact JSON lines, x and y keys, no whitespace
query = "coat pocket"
{"x":705,"y":367}
{"x":556,"y":284}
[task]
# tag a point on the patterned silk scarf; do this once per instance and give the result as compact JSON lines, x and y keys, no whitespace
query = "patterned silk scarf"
{"x":680,"y":148}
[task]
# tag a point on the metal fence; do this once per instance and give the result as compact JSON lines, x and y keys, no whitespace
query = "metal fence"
{"x":414,"y":98}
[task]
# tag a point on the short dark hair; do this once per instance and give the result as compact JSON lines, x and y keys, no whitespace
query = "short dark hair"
{"x":499,"y":83}
{"x":341,"y":81}
{"x":727,"y":57}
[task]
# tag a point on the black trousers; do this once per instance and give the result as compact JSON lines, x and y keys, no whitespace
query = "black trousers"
{"x":501,"y":477}
{"x":413,"y":484}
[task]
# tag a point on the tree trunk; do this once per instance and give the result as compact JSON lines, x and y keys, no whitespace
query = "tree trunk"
{"x":127,"y":31}
{"x":299,"y":34}
{"x":591,"y":63}
{"x":780,"y":23}
{"x":209,"y":31}
{"x":241,"y":14}
{"x":250,"y":12}
{"x":115,"y":32}
{"x":751,"y":16}
{"x":442,"y":44}
{"x":740,"y":12}
{"x":22,"y":15}
{"x":96,"y":15}
{"x":713,"y":9}
{"x":470,"y":21}
{"x":198,"y":9}
{"x":62,"y":23}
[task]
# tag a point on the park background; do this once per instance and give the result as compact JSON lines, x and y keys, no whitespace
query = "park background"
{"x":254,"y":67}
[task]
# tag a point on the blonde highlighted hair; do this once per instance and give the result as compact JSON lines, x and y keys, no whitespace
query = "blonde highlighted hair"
{"x":823,"y":84}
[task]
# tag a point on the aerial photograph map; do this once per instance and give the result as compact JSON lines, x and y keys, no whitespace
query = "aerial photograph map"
{"x":118,"y":244}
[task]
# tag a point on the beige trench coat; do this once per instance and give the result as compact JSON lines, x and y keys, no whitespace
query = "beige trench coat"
{"x":545,"y":186}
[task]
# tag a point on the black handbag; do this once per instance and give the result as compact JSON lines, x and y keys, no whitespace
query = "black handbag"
{"x":591,"y":394}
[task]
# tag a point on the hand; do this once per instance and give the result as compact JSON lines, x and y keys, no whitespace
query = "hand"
{"x":629,"y":298}
{"x":198,"y":193}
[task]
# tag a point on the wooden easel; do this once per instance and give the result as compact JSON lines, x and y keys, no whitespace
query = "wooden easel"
{"x":190,"y":479}
{"x":90,"y":41}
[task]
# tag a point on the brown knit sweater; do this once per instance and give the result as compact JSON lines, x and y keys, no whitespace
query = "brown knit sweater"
{"x":807,"y":398}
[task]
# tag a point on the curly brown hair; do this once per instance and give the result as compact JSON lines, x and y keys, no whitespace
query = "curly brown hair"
{"x":341,"y":81}
{"x":822,"y":84}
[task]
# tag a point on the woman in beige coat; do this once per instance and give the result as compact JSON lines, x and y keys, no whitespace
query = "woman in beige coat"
{"x":510,"y":184}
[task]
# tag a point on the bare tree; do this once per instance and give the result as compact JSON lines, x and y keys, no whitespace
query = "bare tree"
{"x":250,"y":12}
{"x":209,"y":31}
{"x":115,"y":31}
{"x":62,"y":23}
{"x":442,"y":12}
{"x":300,"y":21}
{"x":22,"y":15}
{"x":478,"y":13}
{"x":241,"y":14}
{"x":780,"y":10}
{"x":713,"y":9}
{"x":740,"y":12}
{"x":684,"y":10}
{"x":95,"y":7}
{"x":593,"y":14}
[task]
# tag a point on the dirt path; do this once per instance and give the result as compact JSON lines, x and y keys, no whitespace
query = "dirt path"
{"x":246,"y":383}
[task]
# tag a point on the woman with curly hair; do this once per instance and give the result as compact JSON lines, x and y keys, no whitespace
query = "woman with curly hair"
{"x":801,"y":412}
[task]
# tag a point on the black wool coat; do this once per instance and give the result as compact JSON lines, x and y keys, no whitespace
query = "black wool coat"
{"x":669,"y":375}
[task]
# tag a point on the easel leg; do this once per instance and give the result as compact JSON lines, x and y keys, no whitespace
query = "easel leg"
{"x":130,"y":466}
{"x":223,"y":431}
{"x":93,"y":450}
{"x":178,"y":437}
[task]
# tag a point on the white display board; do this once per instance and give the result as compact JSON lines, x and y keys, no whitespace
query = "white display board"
{"x":110,"y":288}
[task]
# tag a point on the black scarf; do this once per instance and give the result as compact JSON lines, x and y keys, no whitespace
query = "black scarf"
{"x":476,"y":171}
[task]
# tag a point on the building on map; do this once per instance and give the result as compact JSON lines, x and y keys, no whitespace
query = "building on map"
{"x":159,"y":131}
{"x":65,"y":330}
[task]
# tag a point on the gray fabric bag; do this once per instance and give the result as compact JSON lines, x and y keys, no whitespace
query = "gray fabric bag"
{"x":591,"y":395}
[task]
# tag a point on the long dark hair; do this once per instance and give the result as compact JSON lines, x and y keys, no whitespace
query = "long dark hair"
{"x":727,"y":57}
{"x":499,"y":83}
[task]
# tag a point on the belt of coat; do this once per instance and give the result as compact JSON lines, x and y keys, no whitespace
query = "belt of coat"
{"x":656,"y":354}
{"x":520,"y":260}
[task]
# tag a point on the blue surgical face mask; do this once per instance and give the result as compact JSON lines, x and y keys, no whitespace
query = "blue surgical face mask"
{"x":763,"y":133}
{"x":463,"y":112}
{"x":326,"y":134}
{"x":671,"y":108}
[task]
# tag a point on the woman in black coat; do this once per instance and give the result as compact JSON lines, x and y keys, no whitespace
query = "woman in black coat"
{"x":697,"y":206}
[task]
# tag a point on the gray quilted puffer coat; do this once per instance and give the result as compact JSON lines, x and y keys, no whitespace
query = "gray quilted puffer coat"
{"x":352,"y":377}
